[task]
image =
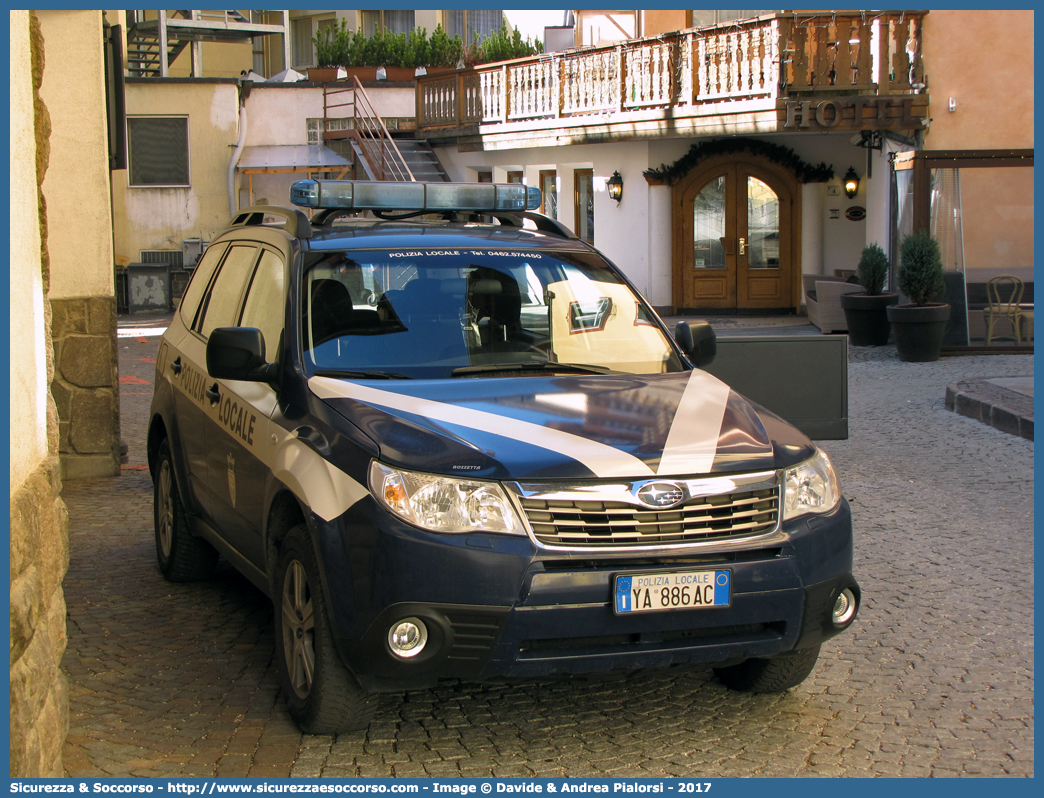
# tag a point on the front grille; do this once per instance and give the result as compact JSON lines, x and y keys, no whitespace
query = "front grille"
{"x":558,"y":522}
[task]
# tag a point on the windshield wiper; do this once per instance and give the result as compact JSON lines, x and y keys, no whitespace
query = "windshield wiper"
{"x":536,"y":365}
{"x":361,"y":375}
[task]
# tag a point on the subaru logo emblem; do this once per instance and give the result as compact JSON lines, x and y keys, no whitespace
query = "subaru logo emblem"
{"x":661,"y":494}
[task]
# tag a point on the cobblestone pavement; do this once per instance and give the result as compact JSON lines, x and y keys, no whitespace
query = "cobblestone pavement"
{"x":934,"y":679}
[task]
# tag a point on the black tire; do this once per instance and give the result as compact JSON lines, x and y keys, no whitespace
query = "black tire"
{"x":322,"y":694}
{"x":182,"y":556}
{"x":770,"y":675}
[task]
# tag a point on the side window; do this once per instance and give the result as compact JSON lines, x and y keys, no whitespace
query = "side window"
{"x":223,"y":300}
{"x":198,"y":284}
{"x":265,"y":302}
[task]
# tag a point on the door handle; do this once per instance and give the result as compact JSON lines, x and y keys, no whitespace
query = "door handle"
{"x":743,"y":246}
{"x":176,"y":365}
{"x":213,"y":394}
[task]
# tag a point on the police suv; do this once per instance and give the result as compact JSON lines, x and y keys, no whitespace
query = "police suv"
{"x":450,"y":440}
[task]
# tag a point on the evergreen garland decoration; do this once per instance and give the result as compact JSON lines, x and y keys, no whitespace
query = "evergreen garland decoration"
{"x":777,"y":153}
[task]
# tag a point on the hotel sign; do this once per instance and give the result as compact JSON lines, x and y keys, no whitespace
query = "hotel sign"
{"x":856,"y":113}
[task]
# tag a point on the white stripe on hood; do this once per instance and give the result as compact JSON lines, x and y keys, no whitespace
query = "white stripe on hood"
{"x":604,"y":461}
{"x":692,"y":441}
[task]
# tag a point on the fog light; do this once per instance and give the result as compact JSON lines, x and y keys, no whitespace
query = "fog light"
{"x":408,"y":637}
{"x":844,"y":607}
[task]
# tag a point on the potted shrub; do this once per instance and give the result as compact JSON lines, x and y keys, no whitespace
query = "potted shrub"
{"x":865,"y":310}
{"x":919,"y":326}
{"x":355,"y":55}
{"x":328,"y":52}
{"x":443,"y":52}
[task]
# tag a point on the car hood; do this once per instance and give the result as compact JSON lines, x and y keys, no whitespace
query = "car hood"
{"x":566,"y":427}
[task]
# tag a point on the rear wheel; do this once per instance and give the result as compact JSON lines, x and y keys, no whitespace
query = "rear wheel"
{"x":182,"y":556}
{"x":770,"y":675}
{"x":321,"y":693}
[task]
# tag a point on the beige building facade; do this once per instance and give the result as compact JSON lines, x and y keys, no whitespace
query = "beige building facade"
{"x":983,"y":105}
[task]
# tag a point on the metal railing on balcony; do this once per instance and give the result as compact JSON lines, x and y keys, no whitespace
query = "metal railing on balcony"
{"x":769,"y":57}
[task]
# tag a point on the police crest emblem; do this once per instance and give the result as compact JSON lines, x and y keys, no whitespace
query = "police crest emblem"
{"x":232,"y":479}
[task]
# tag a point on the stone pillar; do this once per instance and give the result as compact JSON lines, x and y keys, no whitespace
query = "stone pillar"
{"x":86,"y":386}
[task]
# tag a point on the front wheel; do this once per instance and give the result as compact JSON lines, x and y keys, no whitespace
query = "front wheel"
{"x":770,"y":675}
{"x":182,"y":556}
{"x":321,"y":693}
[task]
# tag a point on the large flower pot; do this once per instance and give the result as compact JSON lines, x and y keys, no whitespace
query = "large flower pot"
{"x":918,"y":330}
{"x":866,"y":318}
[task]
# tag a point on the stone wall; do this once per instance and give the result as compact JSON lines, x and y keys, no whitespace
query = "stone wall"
{"x":39,"y":561}
{"x":86,"y":386}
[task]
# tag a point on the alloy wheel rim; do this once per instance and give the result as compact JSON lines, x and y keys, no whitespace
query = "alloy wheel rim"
{"x":298,"y":629}
{"x":165,"y":510}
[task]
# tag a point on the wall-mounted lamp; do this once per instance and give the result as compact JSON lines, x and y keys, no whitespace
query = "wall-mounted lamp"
{"x":614,"y":186}
{"x":851,"y":183}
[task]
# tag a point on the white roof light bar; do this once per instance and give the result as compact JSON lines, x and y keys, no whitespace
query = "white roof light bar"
{"x":374,"y":196}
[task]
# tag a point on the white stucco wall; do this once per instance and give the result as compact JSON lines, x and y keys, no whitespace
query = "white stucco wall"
{"x":28,"y":389}
{"x":636,"y":235}
{"x":76,"y":185}
{"x":621,"y":230}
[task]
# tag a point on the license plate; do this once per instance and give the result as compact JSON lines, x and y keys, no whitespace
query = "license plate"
{"x":672,"y":590}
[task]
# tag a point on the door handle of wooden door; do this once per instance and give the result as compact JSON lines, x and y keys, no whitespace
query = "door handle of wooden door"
{"x":743,"y":246}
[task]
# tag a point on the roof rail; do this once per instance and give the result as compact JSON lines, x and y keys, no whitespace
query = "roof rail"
{"x":297,"y":224}
{"x":544,"y":224}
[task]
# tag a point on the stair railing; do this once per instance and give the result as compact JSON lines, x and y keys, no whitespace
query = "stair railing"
{"x":375,"y":143}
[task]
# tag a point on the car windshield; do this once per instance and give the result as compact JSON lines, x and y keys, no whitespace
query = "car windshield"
{"x":432,"y":313}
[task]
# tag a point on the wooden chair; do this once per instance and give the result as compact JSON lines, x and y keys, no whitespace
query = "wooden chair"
{"x":1004,"y":294}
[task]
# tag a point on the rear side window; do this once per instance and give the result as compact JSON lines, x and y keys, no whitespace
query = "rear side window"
{"x":198,"y":284}
{"x":265,"y":303}
{"x":223,"y":299}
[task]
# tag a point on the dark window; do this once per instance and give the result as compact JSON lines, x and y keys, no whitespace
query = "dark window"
{"x":158,"y":150}
{"x":583,"y":221}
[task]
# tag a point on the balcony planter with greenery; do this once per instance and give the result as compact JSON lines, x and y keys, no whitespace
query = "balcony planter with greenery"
{"x":865,"y":313}
{"x":920,"y":325}
{"x":503,"y":45}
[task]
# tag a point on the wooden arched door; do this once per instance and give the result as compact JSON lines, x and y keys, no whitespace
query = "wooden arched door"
{"x":737,"y":228}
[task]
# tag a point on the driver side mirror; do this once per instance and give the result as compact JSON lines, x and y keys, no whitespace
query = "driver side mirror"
{"x":697,"y":341}
{"x":238,"y":353}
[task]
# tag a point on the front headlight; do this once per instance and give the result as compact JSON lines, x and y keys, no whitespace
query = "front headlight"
{"x":811,"y":487}
{"x":444,"y":504}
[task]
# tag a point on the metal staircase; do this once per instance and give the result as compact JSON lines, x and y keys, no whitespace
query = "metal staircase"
{"x":143,"y":48}
{"x":153,"y":44}
{"x":422,"y":160}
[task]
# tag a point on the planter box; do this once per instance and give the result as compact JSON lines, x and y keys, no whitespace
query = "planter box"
{"x":363,"y":73}
{"x":802,"y":378}
{"x":322,"y":74}
{"x":399,"y":73}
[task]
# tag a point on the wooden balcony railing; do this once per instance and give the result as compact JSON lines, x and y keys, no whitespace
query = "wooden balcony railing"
{"x":770,"y":57}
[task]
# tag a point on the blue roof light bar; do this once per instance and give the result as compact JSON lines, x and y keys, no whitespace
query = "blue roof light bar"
{"x":367,"y":196}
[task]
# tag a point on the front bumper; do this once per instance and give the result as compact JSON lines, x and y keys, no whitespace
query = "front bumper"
{"x":497,"y":606}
